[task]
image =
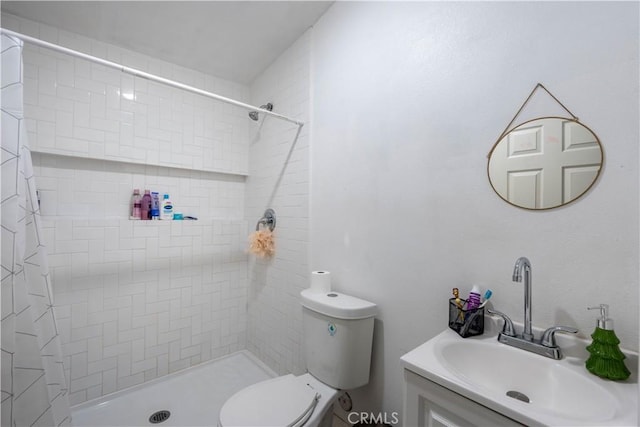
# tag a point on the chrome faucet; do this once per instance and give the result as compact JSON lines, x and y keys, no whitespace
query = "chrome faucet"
{"x":546,"y":345}
{"x":523,"y":263}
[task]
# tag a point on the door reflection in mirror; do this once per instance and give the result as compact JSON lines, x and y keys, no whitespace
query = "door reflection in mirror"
{"x":545,"y":163}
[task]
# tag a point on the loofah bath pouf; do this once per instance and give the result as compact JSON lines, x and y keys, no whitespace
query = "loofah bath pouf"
{"x":262,"y":244}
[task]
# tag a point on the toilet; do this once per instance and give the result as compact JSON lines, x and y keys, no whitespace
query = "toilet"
{"x":338,"y":334}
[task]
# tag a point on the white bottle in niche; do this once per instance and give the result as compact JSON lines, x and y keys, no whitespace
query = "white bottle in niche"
{"x":166,"y":210}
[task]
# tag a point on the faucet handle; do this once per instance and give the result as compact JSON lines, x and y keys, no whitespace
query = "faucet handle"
{"x":508,"y":328}
{"x":548,"y":337}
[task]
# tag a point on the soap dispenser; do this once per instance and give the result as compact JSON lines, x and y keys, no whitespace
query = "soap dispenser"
{"x":606,"y":360}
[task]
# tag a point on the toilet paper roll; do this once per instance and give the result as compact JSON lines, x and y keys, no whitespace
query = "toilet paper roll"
{"x":321,"y":281}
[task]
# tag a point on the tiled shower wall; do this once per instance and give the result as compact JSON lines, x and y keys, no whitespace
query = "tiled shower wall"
{"x":136,"y":300}
{"x":279,"y":165}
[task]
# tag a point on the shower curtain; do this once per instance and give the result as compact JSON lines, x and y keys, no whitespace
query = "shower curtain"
{"x":34,"y":390}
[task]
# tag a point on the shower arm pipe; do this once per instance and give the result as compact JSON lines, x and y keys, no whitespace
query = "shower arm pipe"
{"x":143,"y":74}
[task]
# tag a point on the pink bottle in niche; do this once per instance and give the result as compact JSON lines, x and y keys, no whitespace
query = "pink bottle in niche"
{"x":136,"y":205}
{"x":146,"y":205}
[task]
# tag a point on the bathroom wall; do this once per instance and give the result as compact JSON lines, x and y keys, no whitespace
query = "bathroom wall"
{"x":408,"y":99}
{"x":136,"y":300}
{"x":279,"y":179}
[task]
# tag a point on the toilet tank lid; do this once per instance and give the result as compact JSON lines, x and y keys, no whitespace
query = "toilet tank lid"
{"x":338,"y":305}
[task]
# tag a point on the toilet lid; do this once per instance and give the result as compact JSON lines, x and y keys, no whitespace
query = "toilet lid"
{"x":282,"y":401}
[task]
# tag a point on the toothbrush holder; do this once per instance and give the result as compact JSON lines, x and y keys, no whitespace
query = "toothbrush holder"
{"x":466,"y":322}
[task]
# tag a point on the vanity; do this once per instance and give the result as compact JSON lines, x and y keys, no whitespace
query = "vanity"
{"x":455,"y":381}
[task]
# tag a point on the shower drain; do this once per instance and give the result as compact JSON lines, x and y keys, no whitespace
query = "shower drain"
{"x":160,"y":416}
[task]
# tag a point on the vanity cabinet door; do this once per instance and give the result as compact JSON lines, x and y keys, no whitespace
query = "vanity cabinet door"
{"x":431,"y":405}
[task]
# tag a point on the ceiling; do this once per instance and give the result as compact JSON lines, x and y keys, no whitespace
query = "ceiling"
{"x":234,"y":40}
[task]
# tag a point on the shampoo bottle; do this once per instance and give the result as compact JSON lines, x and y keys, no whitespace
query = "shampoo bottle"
{"x":155,"y":205}
{"x":606,"y":360}
{"x":136,"y":205}
{"x":166,"y":210}
{"x":146,"y":205}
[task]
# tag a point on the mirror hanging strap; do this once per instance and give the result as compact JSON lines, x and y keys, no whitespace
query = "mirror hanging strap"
{"x":539,"y":85}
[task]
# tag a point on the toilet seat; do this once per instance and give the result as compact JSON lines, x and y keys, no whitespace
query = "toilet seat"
{"x":282,"y":401}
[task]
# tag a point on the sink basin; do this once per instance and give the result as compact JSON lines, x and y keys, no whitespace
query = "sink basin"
{"x":526,"y":387}
{"x":535,"y":381}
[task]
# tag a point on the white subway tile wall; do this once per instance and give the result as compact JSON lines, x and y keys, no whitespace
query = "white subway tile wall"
{"x":137,"y":299}
{"x":279,"y":179}
{"x":79,"y":108}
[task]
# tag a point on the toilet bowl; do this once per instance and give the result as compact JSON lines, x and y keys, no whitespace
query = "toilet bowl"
{"x":338,"y":332}
{"x":283,"y":401}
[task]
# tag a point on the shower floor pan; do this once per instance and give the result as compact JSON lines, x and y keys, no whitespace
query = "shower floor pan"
{"x":193,"y":396}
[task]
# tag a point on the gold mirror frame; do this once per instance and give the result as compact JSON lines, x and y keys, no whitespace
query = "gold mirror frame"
{"x":536,"y":145}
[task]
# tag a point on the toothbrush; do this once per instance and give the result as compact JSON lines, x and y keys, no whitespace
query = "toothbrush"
{"x":486,"y":297}
{"x":456,"y":294}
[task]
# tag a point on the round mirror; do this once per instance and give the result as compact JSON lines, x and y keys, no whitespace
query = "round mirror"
{"x":545,"y":163}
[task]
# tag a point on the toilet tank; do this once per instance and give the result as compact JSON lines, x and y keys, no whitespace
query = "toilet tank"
{"x":338,"y":334}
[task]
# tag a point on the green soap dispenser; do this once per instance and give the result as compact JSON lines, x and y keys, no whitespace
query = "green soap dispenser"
{"x":606,"y":360}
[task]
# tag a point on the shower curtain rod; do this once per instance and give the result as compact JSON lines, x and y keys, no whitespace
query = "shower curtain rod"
{"x":143,"y":74}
